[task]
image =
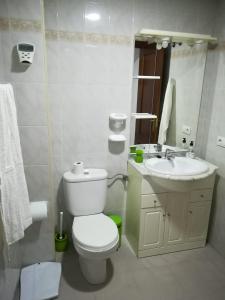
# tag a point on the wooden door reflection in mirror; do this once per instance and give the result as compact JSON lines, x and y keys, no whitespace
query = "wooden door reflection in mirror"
{"x":150,"y":95}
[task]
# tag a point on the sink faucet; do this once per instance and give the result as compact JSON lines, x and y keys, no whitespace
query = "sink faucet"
{"x":169,"y":153}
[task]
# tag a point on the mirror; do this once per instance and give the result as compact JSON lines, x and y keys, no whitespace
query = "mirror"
{"x":174,"y":95}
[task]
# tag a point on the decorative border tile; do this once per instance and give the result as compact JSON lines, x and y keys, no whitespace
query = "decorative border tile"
{"x":51,"y":35}
{"x":96,"y":38}
{"x":121,"y":39}
{"x":86,"y":37}
{"x":77,"y":37}
{"x":19,"y":25}
{"x":25,"y":25}
{"x":181,"y":53}
{"x":4,"y":24}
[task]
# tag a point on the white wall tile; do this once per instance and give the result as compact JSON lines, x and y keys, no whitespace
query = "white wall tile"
{"x":53,"y":61}
{"x":101,"y":8}
{"x":34,"y":143}
{"x":4,"y":8}
{"x":71,"y":62}
{"x":2,"y":75}
{"x":37,"y":182}
{"x":51,"y":14}
{"x":121,"y":17}
{"x":25,"y":9}
{"x":30,"y":98}
{"x":120,"y":70}
{"x":71,"y":15}
{"x":96,"y":64}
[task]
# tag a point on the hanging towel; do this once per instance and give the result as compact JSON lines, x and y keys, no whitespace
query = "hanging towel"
{"x":14,"y":205}
{"x":166,"y":112}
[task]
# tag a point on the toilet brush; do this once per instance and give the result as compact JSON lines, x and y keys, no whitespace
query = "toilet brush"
{"x":61,"y":225}
{"x":61,"y":238}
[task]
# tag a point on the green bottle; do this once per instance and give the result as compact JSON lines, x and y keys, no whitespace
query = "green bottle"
{"x":133,"y":149}
{"x":139,"y":156}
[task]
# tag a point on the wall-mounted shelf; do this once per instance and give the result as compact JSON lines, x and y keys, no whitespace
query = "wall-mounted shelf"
{"x":117,"y":138}
{"x":117,"y":123}
{"x":142,"y":116}
{"x":177,"y":37}
{"x":146,"y":77}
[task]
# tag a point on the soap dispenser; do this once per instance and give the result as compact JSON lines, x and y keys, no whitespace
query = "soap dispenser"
{"x":184,"y":143}
{"x":190,"y":153}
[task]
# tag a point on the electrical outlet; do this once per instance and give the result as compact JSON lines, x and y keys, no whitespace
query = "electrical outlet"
{"x":221,"y":141}
{"x":186,"y":129}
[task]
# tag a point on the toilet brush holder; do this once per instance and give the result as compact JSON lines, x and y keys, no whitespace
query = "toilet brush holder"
{"x":61,"y":243}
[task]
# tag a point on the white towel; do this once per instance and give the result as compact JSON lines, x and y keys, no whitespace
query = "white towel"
{"x":166,"y":112}
{"x":15,"y":207}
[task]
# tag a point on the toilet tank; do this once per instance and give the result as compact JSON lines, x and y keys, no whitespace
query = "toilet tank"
{"x":85,"y":194}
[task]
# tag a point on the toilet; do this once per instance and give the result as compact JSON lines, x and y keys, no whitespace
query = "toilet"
{"x":95,"y":236}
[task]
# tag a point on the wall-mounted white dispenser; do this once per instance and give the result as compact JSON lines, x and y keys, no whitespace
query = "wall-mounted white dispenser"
{"x":25,"y":52}
{"x":117,"y":124}
{"x":118,"y":121}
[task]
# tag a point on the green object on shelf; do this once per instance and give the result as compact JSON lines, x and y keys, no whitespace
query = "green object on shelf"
{"x":139,"y":156}
{"x":118,"y":221}
{"x":61,"y":245}
{"x":132,"y":149}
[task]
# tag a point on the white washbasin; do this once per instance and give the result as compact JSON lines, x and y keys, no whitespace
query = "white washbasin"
{"x":178,"y":166}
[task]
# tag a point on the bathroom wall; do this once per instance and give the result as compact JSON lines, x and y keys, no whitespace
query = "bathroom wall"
{"x":212,"y":124}
{"x":89,"y":76}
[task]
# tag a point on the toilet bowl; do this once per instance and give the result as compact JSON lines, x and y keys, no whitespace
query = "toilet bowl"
{"x":95,"y":238}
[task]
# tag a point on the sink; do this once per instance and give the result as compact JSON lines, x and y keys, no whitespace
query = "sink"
{"x":178,"y":166}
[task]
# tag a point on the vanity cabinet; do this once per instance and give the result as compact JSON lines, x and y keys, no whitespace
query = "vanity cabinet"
{"x":161,"y":220}
{"x":197,"y":220}
{"x":152,"y":227}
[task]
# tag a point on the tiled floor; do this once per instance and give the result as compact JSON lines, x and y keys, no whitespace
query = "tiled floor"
{"x":194,"y":274}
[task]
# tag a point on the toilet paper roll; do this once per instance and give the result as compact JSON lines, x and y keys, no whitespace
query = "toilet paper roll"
{"x":39,"y":210}
{"x":78,"y":168}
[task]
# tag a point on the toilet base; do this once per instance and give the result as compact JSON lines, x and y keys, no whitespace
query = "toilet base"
{"x":93,"y":270}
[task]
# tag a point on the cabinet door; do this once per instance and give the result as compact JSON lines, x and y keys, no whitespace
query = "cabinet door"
{"x":197,"y":220}
{"x":176,"y":218}
{"x":152,"y":228}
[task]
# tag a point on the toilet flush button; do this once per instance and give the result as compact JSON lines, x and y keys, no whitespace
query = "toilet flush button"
{"x":86,"y":172}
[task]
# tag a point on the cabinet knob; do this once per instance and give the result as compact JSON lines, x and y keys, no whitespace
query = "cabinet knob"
{"x":164,"y":215}
{"x":155,"y":201}
{"x":168,"y":214}
{"x":190,"y":211}
{"x":202,"y":196}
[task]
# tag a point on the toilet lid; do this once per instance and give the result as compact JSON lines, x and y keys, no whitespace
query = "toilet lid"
{"x":95,"y":232}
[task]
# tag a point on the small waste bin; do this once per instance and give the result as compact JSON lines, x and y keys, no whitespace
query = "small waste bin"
{"x":118,"y":221}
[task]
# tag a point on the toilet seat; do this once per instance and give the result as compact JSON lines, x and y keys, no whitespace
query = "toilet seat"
{"x":94,"y":233}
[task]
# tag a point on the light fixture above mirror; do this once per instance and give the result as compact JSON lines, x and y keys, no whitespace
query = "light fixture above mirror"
{"x":163,"y":38}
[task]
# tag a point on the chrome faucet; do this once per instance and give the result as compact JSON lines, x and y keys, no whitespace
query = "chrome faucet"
{"x":169,"y":153}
